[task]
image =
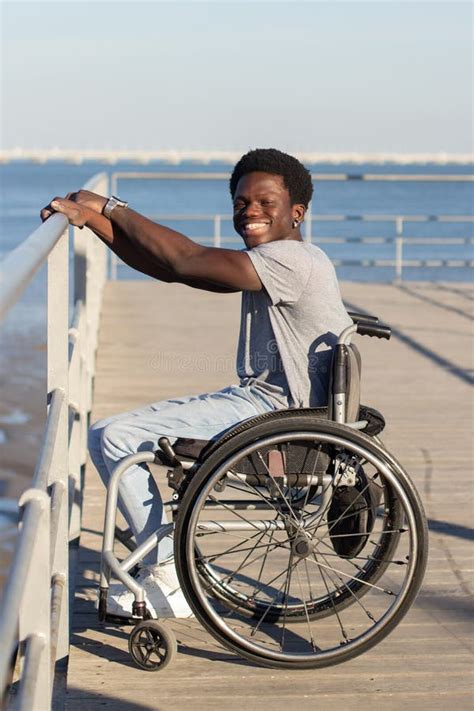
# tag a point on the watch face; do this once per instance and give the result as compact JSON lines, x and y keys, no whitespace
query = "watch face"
{"x":112,"y":203}
{"x":109,"y":206}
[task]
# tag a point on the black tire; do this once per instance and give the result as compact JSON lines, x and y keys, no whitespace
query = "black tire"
{"x":400,"y":501}
{"x":151,"y":645}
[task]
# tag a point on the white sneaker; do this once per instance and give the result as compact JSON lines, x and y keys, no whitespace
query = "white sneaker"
{"x":163,"y":595}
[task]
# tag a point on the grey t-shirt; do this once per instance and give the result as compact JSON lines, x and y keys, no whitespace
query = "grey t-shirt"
{"x":288,"y":329}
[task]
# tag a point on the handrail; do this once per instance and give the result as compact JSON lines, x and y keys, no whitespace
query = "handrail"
{"x":399,"y":240}
{"x":332,"y":217}
{"x":34,"y":624}
{"x":21,"y":264}
{"x":317,"y":177}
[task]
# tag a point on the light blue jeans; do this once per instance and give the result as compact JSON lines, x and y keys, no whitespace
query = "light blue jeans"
{"x":199,"y":417}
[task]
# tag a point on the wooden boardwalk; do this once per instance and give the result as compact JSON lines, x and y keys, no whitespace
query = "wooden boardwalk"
{"x":161,"y":340}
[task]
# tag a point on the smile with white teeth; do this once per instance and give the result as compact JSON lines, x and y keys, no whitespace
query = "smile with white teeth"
{"x":255,"y":226}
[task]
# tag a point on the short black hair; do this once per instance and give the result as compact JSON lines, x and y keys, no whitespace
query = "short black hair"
{"x":296,"y":178}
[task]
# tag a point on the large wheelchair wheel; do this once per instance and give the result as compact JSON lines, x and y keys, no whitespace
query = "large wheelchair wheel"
{"x":262,"y":537}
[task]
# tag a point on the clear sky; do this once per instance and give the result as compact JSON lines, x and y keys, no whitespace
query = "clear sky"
{"x":302,"y":76}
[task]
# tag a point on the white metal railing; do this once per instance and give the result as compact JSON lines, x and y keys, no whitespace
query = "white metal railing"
{"x":321,"y":177}
{"x":34,"y":624}
{"x":397,"y":262}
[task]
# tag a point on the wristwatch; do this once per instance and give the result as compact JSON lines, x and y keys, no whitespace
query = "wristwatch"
{"x":111,"y":204}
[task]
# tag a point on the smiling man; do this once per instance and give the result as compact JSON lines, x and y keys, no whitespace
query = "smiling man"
{"x":291,"y":316}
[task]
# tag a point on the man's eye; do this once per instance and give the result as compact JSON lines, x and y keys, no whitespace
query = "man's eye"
{"x":267,"y":202}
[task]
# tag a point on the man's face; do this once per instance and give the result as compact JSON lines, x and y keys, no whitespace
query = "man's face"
{"x":263,"y":211}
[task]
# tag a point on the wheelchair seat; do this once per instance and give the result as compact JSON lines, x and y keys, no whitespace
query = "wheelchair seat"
{"x":197,"y":449}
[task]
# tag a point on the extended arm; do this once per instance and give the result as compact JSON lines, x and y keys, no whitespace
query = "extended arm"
{"x":185,"y":259}
{"x":136,"y":257}
{"x":156,"y":250}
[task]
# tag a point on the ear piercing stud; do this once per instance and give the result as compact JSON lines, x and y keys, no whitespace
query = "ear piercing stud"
{"x":295,"y":223}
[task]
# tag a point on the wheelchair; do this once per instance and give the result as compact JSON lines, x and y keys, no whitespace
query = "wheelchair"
{"x":300,"y":542}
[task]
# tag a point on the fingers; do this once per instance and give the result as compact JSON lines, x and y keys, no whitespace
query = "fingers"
{"x":74,"y":212}
{"x":58,"y":204}
{"x":45,"y":213}
{"x":89,"y":199}
{"x":74,"y":206}
{"x":48,"y":210}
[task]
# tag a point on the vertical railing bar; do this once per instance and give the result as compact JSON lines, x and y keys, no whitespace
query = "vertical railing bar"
{"x":16,"y":580}
{"x":398,"y":249}
{"x":76,"y":417}
{"x":57,"y":401}
{"x":57,"y":601}
{"x":35,"y":607}
{"x":217,"y":230}
{"x":114,"y":260}
{"x":57,"y":503}
{"x":308,"y":221}
{"x":27,"y":698}
{"x":58,"y":377}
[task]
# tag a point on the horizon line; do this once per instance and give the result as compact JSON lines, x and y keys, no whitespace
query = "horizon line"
{"x":176,"y":156}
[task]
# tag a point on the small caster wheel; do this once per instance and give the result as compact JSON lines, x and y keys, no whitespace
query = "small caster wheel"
{"x":151,"y":645}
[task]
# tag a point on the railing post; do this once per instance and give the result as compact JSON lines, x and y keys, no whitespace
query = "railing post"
{"x":57,"y":379}
{"x":113,"y":259}
{"x":113,"y":266}
{"x":84,"y":390}
{"x":308,"y":221}
{"x":398,"y":249}
{"x":217,"y":230}
{"x":36,"y":682}
{"x":81,"y":250}
{"x":96,"y":275}
{"x":77,"y":420}
{"x":113,"y":184}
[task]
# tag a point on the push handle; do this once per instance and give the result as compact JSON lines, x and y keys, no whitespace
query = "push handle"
{"x":339,"y":383}
{"x":379,"y":330}
{"x":357,"y":317}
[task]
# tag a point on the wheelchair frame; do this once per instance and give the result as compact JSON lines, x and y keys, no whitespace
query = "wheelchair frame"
{"x":346,"y":452}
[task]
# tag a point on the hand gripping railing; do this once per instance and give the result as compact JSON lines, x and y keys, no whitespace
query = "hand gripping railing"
{"x":34,"y":624}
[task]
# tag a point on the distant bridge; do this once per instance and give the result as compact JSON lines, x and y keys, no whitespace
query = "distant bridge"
{"x":175,"y":157}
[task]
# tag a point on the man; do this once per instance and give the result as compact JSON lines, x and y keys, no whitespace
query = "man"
{"x":291,"y":316}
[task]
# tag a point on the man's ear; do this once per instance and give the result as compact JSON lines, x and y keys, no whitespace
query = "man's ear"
{"x":298,"y":212}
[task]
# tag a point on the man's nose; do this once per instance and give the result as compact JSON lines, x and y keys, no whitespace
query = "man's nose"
{"x":252,"y":210}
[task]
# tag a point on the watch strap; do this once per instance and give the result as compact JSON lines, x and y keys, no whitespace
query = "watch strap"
{"x":111,"y":204}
